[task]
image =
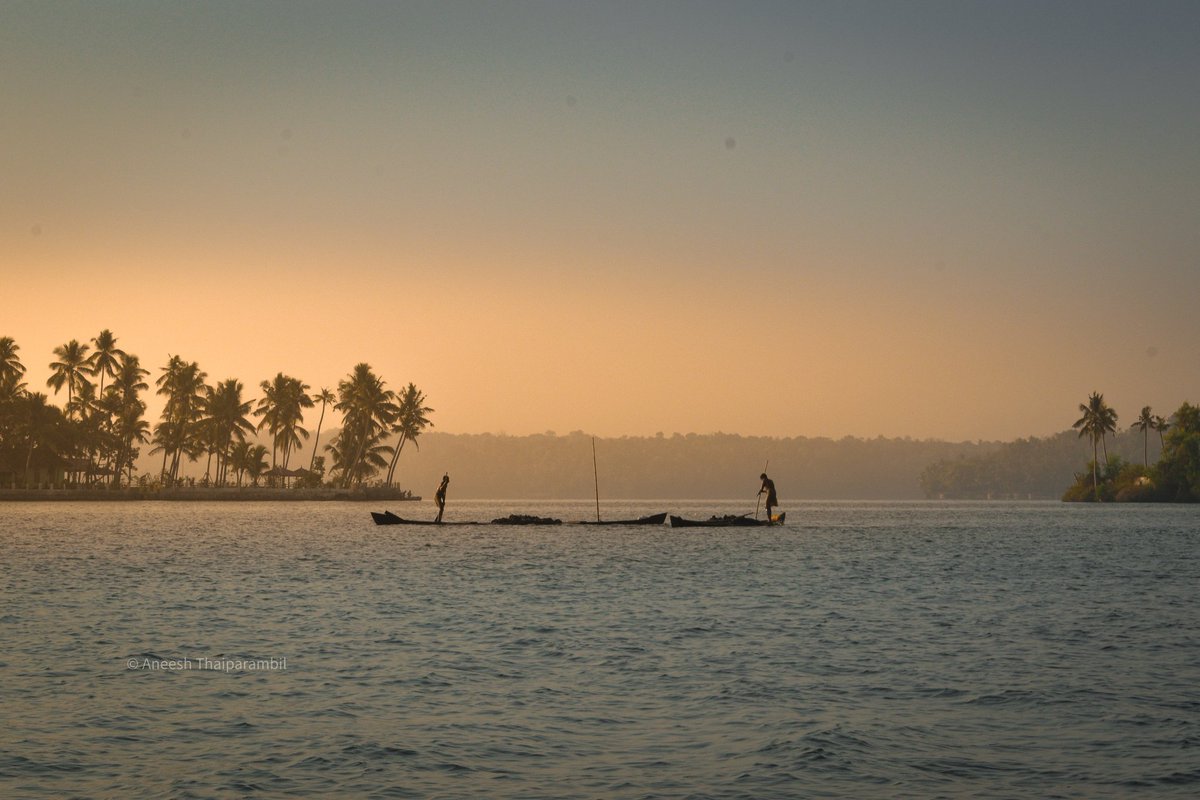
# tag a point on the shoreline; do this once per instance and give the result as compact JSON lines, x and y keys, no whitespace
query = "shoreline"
{"x":204,"y":494}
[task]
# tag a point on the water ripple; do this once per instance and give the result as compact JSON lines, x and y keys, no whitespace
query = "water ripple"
{"x":865,"y":650}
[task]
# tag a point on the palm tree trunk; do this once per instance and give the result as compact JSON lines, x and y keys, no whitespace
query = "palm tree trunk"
{"x":127,"y":462}
{"x":351,"y":466}
{"x":1095,"y":477}
{"x":358,"y":457}
{"x":317,"y":439}
{"x":395,"y":458}
{"x":220,"y":447}
{"x":222,"y":462}
{"x":287,"y":448}
{"x":118,"y":460}
{"x":116,"y":466}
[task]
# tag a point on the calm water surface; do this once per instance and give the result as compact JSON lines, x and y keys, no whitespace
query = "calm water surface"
{"x":864,"y":650}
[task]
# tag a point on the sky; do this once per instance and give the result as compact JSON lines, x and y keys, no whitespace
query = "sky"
{"x":947,"y":220}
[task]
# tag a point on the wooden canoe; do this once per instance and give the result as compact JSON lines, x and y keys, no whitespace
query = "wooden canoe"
{"x":728,"y":521}
{"x":653,"y":519}
{"x":388,"y":518}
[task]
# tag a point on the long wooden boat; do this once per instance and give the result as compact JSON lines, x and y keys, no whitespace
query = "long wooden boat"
{"x":728,"y":521}
{"x":388,"y":518}
{"x":653,"y":519}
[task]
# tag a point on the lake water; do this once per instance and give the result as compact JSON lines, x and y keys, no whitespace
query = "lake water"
{"x":865,"y":650}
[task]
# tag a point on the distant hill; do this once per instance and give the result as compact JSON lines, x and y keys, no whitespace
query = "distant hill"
{"x":723,"y":466}
{"x":709,"y":466}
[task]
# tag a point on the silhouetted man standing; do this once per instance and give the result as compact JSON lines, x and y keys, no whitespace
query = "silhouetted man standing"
{"x":439,"y":497}
{"x":768,"y":487}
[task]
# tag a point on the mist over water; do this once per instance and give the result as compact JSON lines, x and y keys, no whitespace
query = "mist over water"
{"x":863,"y":650}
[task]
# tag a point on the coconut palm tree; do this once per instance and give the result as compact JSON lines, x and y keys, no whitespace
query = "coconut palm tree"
{"x":12,"y":392}
{"x":282,"y":409}
{"x":1161,"y":425}
{"x":239,"y":459}
{"x":361,"y":459}
{"x":368,"y":410}
{"x":256,"y":462}
{"x":11,"y":389}
{"x":129,"y":428}
{"x":11,"y":367}
{"x":412,"y":419}
{"x":71,"y":368}
{"x":208,"y":437}
{"x":11,"y":372}
{"x":227,"y":414}
{"x":183,"y":385}
{"x":189,"y":400}
{"x":162,"y":436}
{"x":324,"y":397}
{"x":1144,"y":423}
{"x":108,"y":411}
{"x":40,"y":428}
{"x":86,"y":408}
{"x":162,"y":431}
{"x":1097,"y":420}
{"x":1108,"y":424}
{"x":84,"y":404}
{"x":106,"y":358}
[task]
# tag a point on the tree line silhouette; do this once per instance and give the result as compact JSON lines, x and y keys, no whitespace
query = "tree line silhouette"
{"x":102,"y":434}
{"x":96,"y":438}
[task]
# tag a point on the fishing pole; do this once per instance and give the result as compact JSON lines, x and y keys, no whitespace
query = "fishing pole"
{"x":758,"y":502}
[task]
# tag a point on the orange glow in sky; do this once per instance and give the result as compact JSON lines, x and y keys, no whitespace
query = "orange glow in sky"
{"x":805,"y":220}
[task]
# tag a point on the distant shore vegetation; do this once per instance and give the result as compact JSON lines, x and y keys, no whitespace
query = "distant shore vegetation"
{"x":95,"y":439}
{"x":355,"y":435}
{"x":1173,"y":478}
{"x":1156,"y":459}
{"x":1033,"y":468}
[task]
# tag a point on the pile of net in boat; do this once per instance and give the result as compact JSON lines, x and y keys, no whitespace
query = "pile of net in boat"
{"x":526,"y":519}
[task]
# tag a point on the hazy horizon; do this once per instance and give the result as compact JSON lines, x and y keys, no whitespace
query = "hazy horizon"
{"x":940,"y":220}
{"x":35,"y":378}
